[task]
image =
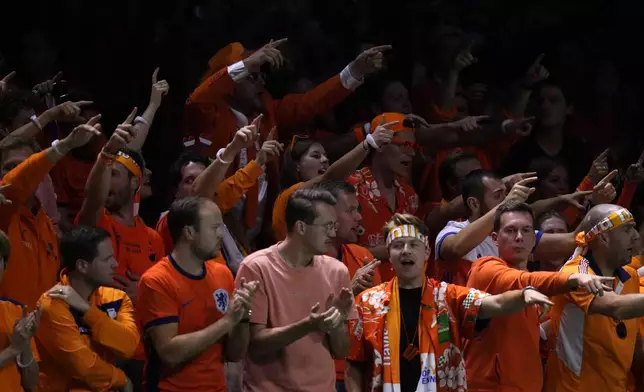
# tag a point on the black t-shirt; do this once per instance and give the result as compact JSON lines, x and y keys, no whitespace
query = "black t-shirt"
{"x":409,"y":313}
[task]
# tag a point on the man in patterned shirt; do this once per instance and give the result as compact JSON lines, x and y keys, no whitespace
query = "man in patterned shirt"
{"x":408,"y":334}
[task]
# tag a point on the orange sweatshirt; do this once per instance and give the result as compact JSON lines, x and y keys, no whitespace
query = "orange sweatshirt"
{"x":505,"y":357}
{"x":78,"y":351}
{"x":34,"y":261}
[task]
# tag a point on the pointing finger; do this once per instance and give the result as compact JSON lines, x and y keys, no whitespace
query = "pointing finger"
{"x":603,"y":155}
{"x":606,"y":179}
{"x":257,"y":121}
{"x":83,"y":103}
{"x":537,"y":62}
{"x":94,"y":120}
{"x":131,"y":116}
{"x":154,"y":75}
{"x":57,"y":77}
{"x":640,"y":161}
{"x":526,"y":181}
{"x":10,"y":76}
{"x":274,"y":44}
{"x":389,"y":124}
{"x":272,"y":134}
{"x":381,"y":48}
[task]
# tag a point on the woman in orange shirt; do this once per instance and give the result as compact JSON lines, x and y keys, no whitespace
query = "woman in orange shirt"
{"x":18,"y":361}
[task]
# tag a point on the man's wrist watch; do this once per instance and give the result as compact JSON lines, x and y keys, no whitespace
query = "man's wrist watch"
{"x":526,"y":289}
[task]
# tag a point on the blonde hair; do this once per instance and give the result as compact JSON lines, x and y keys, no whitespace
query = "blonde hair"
{"x":405,"y":219}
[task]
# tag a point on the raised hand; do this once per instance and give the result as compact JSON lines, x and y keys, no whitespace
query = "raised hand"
{"x":533,"y":297}
{"x":47,"y":87}
{"x":4,"y":82}
{"x":593,"y":284}
{"x":270,"y":150}
{"x":521,"y":191}
{"x":81,"y":135}
{"x":363,"y":278}
{"x":25,"y":328}
{"x":522,"y":127}
{"x":383,"y":134}
{"x":464,"y":58}
{"x":512,"y":179}
{"x":599,"y":168}
{"x":68,"y":111}
{"x":468,"y":124}
{"x":268,"y":54}
{"x":159,"y":89}
{"x":575,"y":199}
{"x":70,"y":296}
{"x":368,"y":62}
{"x":418,"y":121}
{"x":604,"y":192}
{"x":635,"y":172}
{"x":122,"y":136}
{"x":536,"y":73}
{"x":246,"y":136}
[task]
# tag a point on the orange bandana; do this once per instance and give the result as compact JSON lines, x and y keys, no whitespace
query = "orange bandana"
{"x":612,"y":221}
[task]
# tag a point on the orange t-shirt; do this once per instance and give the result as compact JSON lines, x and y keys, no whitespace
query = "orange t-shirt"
{"x":168,"y":294}
{"x":78,"y":352}
{"x":376,"y":213}
{"x":505,"y":356}
{"x":279,"y":212}
{"x":34,"y":261}
{"x":10,"y":312}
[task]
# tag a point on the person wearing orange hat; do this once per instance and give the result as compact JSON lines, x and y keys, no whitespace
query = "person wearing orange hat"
{"x":383,"y":188}
{"x":233,"y":92}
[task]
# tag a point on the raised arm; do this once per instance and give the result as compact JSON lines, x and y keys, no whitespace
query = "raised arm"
{"x":511,"y":302}
{"x":142,"y":124}
{"x":97,"y":186}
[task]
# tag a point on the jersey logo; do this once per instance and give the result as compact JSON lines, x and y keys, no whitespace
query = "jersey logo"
{"x":112,"y":313}
{"x":221,"y":300}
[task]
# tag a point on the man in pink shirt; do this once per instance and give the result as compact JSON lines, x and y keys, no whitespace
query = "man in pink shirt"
{"x":302,"y":304}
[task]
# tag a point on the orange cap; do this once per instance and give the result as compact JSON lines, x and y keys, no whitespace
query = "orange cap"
{"x":228,"y":55}
{"x":391,"y":117}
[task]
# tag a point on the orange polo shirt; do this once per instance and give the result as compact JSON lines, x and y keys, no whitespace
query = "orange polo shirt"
{"x":10,"y":313}
{"x":505,"y":356}
{"x":588,"y":354}
{"x":168,"y":294}
{"x":78,"y":351}
{"x":34,"y":261}
{"x":376,"y":213}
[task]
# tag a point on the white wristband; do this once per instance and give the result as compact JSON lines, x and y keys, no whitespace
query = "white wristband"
{"x":54,"y":146}
{"x":372,"y":142}
{"x":219,"y":154}
{"x":139,"y":119}
{"x":35,"y":121}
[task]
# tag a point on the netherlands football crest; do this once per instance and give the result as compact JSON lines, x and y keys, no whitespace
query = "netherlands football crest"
{"x":221,"y":300}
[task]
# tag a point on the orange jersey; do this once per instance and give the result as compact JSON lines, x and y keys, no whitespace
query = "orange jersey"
{"x":279,"y":212}
{"x":34,"y":261}
{"x":168,"y":294}
{"x":10,"y":312}
{"x":506,"y":355}
{"x":588,"y":353}
{"x":78,"y":351}
{"x":376,"y":213}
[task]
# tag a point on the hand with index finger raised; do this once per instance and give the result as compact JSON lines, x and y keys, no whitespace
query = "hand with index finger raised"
{"x":267,"y":54}
{"x":368,"y":62}
{"x":521,"y":191}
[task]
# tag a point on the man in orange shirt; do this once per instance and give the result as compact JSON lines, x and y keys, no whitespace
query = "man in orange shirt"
{"x":408,"y":336}
{"x":86,"y":325}
{"x":595,"y":337}
{"x":191,"y":317}
{"x":233,"y":93}
{"x":34,"y":261}
{"x":493,"y":360}
{"x":18,"y":354}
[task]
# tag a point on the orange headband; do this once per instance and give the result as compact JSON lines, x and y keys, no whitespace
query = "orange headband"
{"x":612,"y":221}
{"x":130,"y":164}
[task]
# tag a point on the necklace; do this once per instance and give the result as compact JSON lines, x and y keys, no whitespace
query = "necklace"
{"x":411,"y":351}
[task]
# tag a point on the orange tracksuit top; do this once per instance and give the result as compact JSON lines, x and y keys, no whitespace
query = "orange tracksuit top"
{"x":77,"y":352}
{"x":34,"y":261}
{"x":505,"y":356}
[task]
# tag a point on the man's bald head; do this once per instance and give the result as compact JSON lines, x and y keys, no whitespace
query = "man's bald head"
{"x":596,"y":214}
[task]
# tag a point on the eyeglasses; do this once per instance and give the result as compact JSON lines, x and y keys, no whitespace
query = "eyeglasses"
{"x":294,"y":139}
{"x":328,"y":227}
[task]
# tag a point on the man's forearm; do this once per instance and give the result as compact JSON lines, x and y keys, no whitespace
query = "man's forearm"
{"x":237,"y":342}
{"x":143,"y":128}
{"x":505,"y":304}
{"x":270,"y":340}
{"x":354,"y":374}
{"x":339,"y":342}
{"x":30,"y":129}
{"x":7,"y":356}
{"x":30,"y":374}
{"x":97,"y":189}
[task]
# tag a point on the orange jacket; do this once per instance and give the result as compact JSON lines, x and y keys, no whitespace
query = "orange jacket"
{"x":78,"y":351}
{"x":34,"y":260}
{"x":506,"y":357}
{"x":210,"y":124}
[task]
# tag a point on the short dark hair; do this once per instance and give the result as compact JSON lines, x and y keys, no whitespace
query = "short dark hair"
{"x":294,"y":152}
{"x":473,"y":185}
{"x":184,"y":212}
{"x":550,"y":214}
{"x":136,"y":156}
{"x":301,"y":205}
{"x":11,"y":143}
{"x":448,"y":166}
{"x":80,"y":243}
{"x":336,"y":187}
{"x":183,"y":160}
{"x":511,"y":206}
{"x":5,"y":248}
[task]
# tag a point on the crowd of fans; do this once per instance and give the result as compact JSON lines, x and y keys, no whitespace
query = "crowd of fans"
{"x":369,"y":231}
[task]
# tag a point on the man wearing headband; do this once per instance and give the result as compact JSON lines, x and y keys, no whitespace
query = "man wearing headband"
{"x":409,"y":332}
{"x":383,"y":187}
{"x":515,"y":339}
{"x":85,"y":324}
{"x":595,"y":337}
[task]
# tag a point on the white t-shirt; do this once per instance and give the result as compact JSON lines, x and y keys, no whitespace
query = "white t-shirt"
{"x":484,"y":249}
